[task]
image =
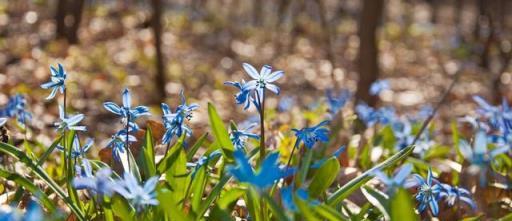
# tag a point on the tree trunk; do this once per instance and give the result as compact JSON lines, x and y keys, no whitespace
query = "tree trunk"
{"x":60,"y":15}
{"x":157,"y":34}
{"x":77,"y":11}
{"x":368,"y":53}
{"x":257,"y":10}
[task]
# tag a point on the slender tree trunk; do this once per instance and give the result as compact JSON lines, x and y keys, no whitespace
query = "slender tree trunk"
{"x":77,"y":11}
{"x":327,"y":33}
{"x":368,"y":52}
{"x":156,"y":25}
{"x":60,"y":16}
{"x":282,"y":8}
{"x":257,"y":10}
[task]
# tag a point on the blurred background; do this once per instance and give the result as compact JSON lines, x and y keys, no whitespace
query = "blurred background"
{"x":158,"y":47}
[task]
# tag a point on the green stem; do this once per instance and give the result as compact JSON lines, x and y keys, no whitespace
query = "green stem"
{"x":127,"y":143}
{"x":304,"y":167}
{"x":291,"y":154}
{"x":262,"y":126}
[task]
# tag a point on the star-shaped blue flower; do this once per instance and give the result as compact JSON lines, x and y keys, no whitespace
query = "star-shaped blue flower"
{"x":57,"y":81}
{"x":100,"y":184}
{"x":398,"y":180}
{"x":428,"y":193}
{"x":453,"y":195}
{"x":69,"y":123}
{"x":268,"y":173}
{"x":139,"y":196}
{"x":244,"y":95}
{"x":336,"y":100}
{"x":126,"y":110}
{"x":311,"y":135}
{"x":76,"y":150}
{"x":239,"y":136}
{"x":264,"y":78}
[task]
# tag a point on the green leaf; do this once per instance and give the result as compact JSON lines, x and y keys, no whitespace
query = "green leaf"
{"x":29,"y":186}
{"x":198,"y":187}
{"x":39,"y":171}
{"x":177,"y":174}
{"x":324,"y":177}
{"x":220,"y":132}
{"x":355,"y":183}
{"x":215,"y":192}
{"x":230,"y":197}
{"x":252,"y":202}
{"x":70,"y":171}
{"x":19,"y":192}
{"x":168,"y":159}
{"x":377,"y":199}
{"x":168,"y":205}
{"x":147,"y":158}
{"x":192,"y":151}
{"x":122,"y":208}
{"x":218,"y":214}
{"x":304,"y":168}
{"x":306,"y":210}
{"x":48,"y":151}
{"x":402,"y":207}
{"x":329,"y":213}
{"x":276,"y":210}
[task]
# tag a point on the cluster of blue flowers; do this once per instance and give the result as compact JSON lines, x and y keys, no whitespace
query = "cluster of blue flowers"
{"x":101,"y":182}
{"x":429,"y":191}
{"x":16,"y":107}
{"x":174,"y":123}
{"x":33,"y":212}
{"x":493,"y":136}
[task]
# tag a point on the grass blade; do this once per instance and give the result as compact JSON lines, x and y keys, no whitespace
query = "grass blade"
{"x":29,"y":186}
{"x":357,"y":182}
{"x":22,"y":157}
{"x":220,"y":132}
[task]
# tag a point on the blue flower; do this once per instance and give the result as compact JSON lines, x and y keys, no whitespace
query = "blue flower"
{"x":69,"y":123}
{"x":367,"y":114}
{"x":398,"y":180}
{"x":379,"y":86}
{"x":76,"y":150}
{"x":264,"y":78}
{"x":428,"y":193}
{"x":33,"y":212}
{"x":126,"y":110}
{"x":139,"y":196}
{"x":310,"y":135}
{"x":16,"y":107}
{"x":117,"y":144}
{"x":204,"y":160}
{"x":492,"y":113}
{"x":287,"y":195}
{"x":3,"y":121}
{"x":479,"y":156}
{"x":337,"y":100}
{"x":370,"y":116}
{"x":57,"y":81}
{"x":99,"y":184}
{"x":174,"y":124}
{"x":453,"y":195}
{"x":268,"y":173}
{"x":253,"y":91}
{"x":239,"y":136}
{"x":185,"y":109}
{"x":244,"y":96}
